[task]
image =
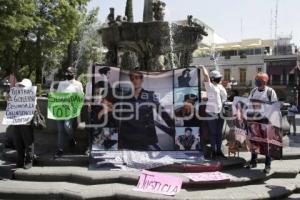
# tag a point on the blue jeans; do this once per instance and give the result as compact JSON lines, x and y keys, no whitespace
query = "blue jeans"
{"x":267,"y":160}
{"x":68,"y":127}
{"x":215,"y":131}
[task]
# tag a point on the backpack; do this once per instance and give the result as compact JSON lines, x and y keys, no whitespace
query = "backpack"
{"x":269,"y":93}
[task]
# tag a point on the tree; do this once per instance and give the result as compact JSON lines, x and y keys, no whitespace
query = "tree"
{"x":128,"y":11}
{"x":35,"y":33}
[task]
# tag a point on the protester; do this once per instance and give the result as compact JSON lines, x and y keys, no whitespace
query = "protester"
{"x":70,"y":85}
{"x":292,"y":110}
{"x":23,"y":138}
{"x":216,"y":95}
{"x":261,"y":94}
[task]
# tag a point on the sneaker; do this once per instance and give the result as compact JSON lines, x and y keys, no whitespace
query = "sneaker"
{"x":267,"y":169}
{"x":213,"y":155}
{"x":28,"y":164}
{"x":251,"y":165}
{"x":73,"y":144}
{"x":220,"y":154}
{"x":59,"y":153}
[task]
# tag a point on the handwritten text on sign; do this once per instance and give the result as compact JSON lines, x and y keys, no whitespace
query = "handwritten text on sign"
{"x":208,"y":177}
{"x":158,"y":183}
{"x":20,"y":106}
{"x":64,"y":105}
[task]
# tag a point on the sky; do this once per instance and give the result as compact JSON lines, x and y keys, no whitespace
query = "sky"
{"x":233,"y":20}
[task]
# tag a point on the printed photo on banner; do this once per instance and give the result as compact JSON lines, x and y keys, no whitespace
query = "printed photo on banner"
{"x":105,"y":139}
{"x":238,"y":128}
{"x":186,"y":77}
{"x":186,"y":101}
{"x":265,"y":139}
{"x":105,"y":85}
{"x":149,"y":96}
{"x":187,"y":138}
{"x":20,"y":106}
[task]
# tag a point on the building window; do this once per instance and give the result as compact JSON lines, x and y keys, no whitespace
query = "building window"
{"x":292,"y":79}
{"x":226,"y":74}
{"x":276,"y":79}
{"x":259,"y":69}
{"x":242,"y":76}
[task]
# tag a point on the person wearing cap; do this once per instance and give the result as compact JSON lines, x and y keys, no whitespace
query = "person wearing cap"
{"x":261,"y":94}
{"x":69,"y":85}
{"x":23,"y":138}
{"x":217,"y":96}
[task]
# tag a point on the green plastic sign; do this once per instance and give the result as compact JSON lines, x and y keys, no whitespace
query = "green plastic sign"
{"x":62,"y":106}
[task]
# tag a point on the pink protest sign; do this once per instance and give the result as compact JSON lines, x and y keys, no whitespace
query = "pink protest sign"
{"x":208,"y":177}
{"x":158,"y":183}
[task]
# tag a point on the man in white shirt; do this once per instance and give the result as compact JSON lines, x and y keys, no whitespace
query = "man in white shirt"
{"x":70,"y":85}
{"x":216,"y":95}
{"x":265,"y":95}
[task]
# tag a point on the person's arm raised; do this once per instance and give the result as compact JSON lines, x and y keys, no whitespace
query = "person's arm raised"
{"x":204,"y":72}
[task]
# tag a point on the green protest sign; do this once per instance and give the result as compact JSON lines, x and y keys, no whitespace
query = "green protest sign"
{"x":62,"y":106}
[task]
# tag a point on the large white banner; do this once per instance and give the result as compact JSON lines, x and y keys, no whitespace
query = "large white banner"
{"x":20,"y":106}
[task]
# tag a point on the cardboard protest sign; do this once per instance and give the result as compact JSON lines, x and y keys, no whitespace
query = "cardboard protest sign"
{"x":158,"y":183}
{"x":20,"y":106}
{"x":62,"y":106}
{"x":208,"y":177}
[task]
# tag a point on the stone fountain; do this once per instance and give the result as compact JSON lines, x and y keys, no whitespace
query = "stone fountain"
{"x":153,"y":44}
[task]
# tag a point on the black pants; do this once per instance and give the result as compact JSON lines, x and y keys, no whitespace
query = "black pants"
{"x":23,"y":142}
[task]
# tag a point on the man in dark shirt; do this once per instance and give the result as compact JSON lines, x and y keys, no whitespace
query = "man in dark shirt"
{"x":187,"y":141}
{"x":138,"y":132}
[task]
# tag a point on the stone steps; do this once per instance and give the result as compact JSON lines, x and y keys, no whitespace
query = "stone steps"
{"x":11,"y":189}
{"x":69,"y":178}
{"x":83,"y":176}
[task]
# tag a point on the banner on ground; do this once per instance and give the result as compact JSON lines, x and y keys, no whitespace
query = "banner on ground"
{"x":145,"y":111}
{"x":20,"y":106}
{"x":63,"y":106}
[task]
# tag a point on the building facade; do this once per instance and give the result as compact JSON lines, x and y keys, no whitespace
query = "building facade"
{"x":239,"y":62}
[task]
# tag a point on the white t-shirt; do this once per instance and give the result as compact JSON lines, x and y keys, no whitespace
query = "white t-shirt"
{"x":255,"y":94}
{"x":292,"y":111}
{"x":70,"y":86}
{"x":216,"y":95}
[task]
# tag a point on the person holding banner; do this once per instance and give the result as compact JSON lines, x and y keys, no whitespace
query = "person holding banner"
{"x":217,"y":96}
{"x":70,"y":85}
{"x":23,"y":138}
{"x":261,"y":94}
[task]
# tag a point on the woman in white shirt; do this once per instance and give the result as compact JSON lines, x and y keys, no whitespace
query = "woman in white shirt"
{"x":216,"y":95}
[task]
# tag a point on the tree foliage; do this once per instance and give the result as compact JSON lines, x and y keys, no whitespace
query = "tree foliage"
{"x":36,"y":35}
